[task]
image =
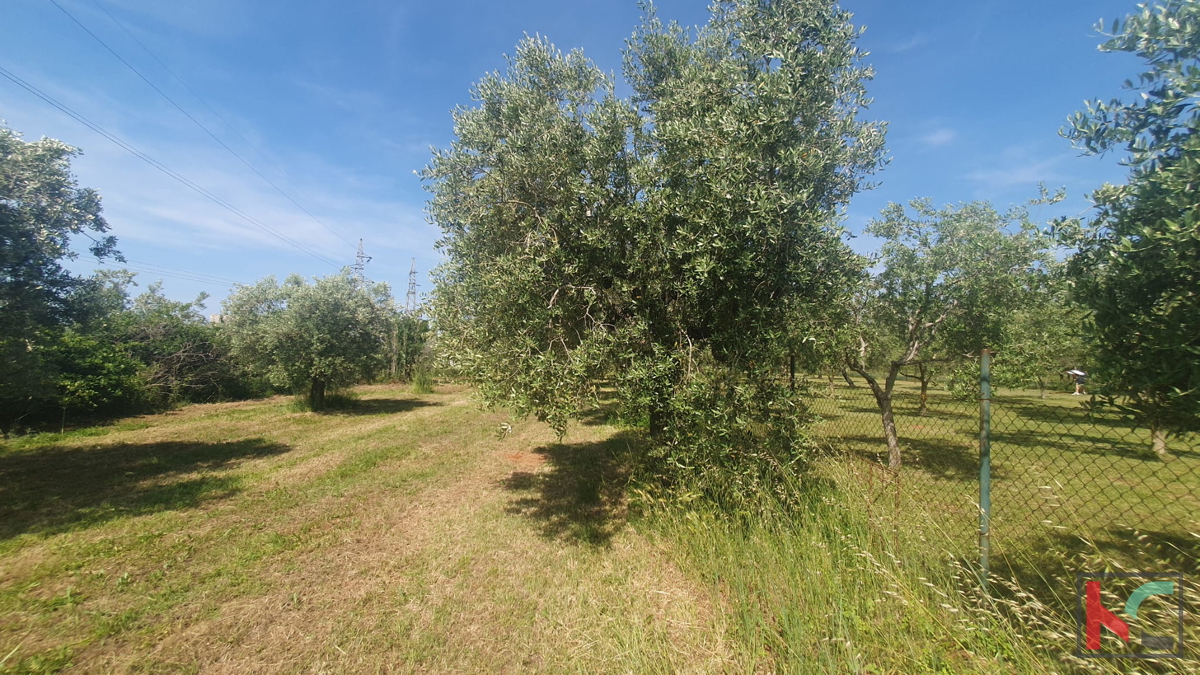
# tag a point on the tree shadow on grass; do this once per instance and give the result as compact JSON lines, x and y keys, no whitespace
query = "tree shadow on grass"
{"x":579,"y":494}
{"x":606,"y":412}
{"x":945,"y":459}
{"x":1060,"y":415}
{"x":55,"y":489}
{"x":935,"y":457}
{"x":378,"y":406}
{"x":1061,"y":443}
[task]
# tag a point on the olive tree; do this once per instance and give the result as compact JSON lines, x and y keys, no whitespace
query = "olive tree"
{"x":1042,"y":338}
{"x":41,"y":209}
{"x":665,"y":242}
{"x":311,"y":338}
{"x":950,"y":279}
{"x":1137,"y":268}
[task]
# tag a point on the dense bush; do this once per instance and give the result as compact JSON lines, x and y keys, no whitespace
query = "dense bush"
{"x":184,"y":358}
{"x":123,"y":356}
{"x":41,"y":209}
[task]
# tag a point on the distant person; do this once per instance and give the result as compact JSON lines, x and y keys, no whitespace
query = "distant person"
{"x":1080,"y":380}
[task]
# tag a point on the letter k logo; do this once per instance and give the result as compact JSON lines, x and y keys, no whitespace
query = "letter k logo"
{"x":1097,"y":615}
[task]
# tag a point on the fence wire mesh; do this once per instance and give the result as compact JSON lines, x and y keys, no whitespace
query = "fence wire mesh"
{"x":937,"y":487}
{"x":1066,"y":480}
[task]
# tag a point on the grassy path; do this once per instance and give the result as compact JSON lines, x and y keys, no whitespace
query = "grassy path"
{"x":406,"y":535}
{"x":399,"y":536}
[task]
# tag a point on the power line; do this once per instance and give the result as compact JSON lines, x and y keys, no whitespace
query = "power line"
{"x":210,"y":277}
{"x":185,"y":112}
{"x":175,"y":274}
{"x":158,"y":165}
{"x":204,"y":102}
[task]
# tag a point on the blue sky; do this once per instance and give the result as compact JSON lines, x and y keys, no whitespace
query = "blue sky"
{"x":337,"y":103}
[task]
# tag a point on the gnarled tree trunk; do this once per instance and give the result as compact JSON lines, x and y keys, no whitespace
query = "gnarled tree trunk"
{"x":846,"y":377}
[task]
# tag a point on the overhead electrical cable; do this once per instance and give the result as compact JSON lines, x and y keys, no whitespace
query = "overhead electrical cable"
{"x":186,"y":113}
{"x":180,"y":274}
{"x":228,"y":125}
{"x":161,"y":167}
{"x":122,"y":261}
{"x":210,"y":277}
{"x":168,"y":272}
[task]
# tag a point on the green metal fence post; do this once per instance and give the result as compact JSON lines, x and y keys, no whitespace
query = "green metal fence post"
{"x":985,"y":463}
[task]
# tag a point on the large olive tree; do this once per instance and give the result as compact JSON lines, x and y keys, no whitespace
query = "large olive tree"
{"x":666,"y":242}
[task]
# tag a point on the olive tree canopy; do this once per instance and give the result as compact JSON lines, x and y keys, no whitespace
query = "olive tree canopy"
{"x":951,"y":280}
{"x":310,"y":338}
{"x":668,"y":243}
{"x":1137,"y":269}
{"x":41,"y":209}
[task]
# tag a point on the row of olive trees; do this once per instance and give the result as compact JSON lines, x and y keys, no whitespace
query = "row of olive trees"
{"x":684,"y":243}
{"x":83,"y":346}
{"x":1125,"y":303}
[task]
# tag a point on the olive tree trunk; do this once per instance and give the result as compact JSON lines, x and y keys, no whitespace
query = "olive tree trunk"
{"x":883,"y":398}
{"x":1158,"y":442}
{"x":316,"y":395}
{"x":846,"y":377}
{"x":924,"y":374}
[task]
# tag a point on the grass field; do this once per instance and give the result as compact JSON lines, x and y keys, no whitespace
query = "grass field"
{"x":406,"y":534}
{"x":399,"y":535}
{"x":1058,"y":473}
{"x":1071,"y":491}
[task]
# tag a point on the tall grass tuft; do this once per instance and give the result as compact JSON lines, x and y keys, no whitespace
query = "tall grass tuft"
{"x":823,"y":584}
{"x":422,"y":381}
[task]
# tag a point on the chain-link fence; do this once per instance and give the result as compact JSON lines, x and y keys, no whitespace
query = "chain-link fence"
{"x":1065,"y":480}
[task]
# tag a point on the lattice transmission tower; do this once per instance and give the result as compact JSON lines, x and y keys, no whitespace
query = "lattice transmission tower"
{"x":410,"y":301}
{"x":360,"y":262}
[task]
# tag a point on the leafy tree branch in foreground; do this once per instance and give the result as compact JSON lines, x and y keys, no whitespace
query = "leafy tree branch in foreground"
{"x":1137,"y":269}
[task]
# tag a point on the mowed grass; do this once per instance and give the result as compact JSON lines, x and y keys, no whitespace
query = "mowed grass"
{"x":406,"y":534}
{"x":1057,"y":471}
{"x":399,"y":535}
{"x":1072,"y":491}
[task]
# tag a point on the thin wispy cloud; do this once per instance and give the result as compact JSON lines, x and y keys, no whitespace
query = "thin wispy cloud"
{"x":208,"y":18}
{"x":144,"y":205}
{"x":913,"y":42}
{"x":938,"y":137}
{"x":337,"y":103}
{"x":357,"y":101}
{"x":1018,"y":167}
